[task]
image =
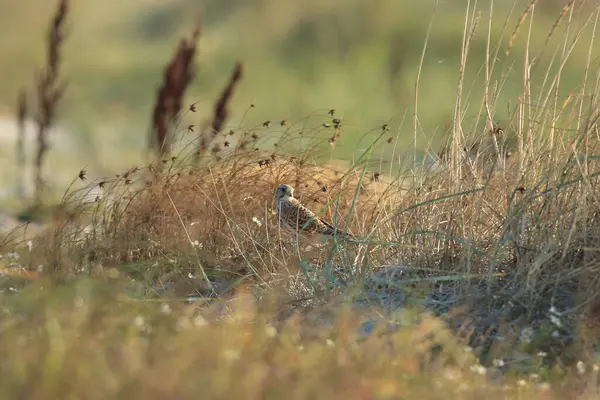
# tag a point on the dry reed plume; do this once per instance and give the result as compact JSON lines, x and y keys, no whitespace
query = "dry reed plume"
{"x":21,"y":117}
{"x":177,"y":76}
{"x":50,"y":90}
{"x":220,"y":112}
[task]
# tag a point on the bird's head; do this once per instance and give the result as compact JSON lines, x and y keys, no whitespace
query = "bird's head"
{"x":284,"y":191}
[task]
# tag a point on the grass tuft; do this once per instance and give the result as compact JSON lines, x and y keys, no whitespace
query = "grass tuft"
{"x":472,"y":270}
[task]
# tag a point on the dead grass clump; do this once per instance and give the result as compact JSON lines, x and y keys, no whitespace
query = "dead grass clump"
{"x":517,"y":243}
{"x":237,"y":197}
{"x":179,"y":222}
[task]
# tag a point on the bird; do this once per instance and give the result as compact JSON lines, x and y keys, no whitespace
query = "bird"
{"x":294,"y":217}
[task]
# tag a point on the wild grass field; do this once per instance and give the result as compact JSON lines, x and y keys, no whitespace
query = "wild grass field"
{"x":456,"y":143}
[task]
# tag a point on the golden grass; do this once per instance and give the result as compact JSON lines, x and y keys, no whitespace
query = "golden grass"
{"x":478,"y":271}
{"x":207,"y":232}
{"x":92,"y":342}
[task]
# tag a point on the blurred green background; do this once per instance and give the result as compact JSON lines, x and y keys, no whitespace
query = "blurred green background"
{"x":301,"y":57}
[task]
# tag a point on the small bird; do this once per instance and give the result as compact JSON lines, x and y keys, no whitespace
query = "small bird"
{"x":293,"y":216}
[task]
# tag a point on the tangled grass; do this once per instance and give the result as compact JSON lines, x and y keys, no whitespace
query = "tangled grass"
{"x":510,"y":252}
{"x":173,"y":279}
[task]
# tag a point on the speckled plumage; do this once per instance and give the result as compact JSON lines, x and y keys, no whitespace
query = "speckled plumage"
{"x":293,"y":216}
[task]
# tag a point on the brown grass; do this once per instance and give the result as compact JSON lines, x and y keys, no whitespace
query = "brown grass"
{"x":507,"y":227}
{"x":221,"y":112}
{"x":178,"y":74}
{"x":50,"y":90}
{"x":167,"y":229}
{"x":508,"y":244}
{"x":20,"y":151}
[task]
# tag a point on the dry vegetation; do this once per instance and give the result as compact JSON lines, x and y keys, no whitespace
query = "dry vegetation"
{"x":50,"y":90}
{"x":472,"y":276}
{"x":177,"y":76}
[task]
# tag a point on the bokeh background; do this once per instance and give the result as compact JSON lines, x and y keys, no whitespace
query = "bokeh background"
{"x":301,"y":58}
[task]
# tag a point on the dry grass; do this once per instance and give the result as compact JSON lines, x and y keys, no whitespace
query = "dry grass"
{"x":178,"y":74}
{"x":503,"y":255}
{"x":170,"y":350}
{"x":173,"y":279}
{"x":221,"y":112}
{"x":20,"y":150}
{"x":50,"y":90}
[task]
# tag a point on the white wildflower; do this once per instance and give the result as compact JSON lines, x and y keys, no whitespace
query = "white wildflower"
{"x":542,"y":354}
{"x":555,"y":317}
{"x":165,"y":308}
{"x":580,"y":367}
{"x":544,"y":386}
{"x":555,"y":320}
{"x":257,"y":221}
{"x":139,"y":321}
{"x":271,"y":331}
{"x":478,"y":369}
{"x":534,"y":377}
{"x":498,"y":363}
{"x":526,"y":335}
